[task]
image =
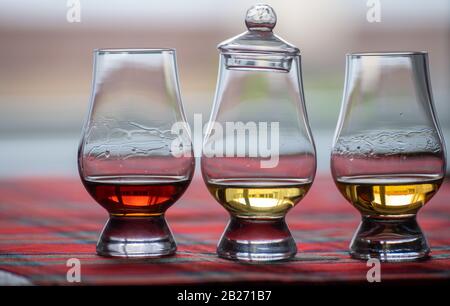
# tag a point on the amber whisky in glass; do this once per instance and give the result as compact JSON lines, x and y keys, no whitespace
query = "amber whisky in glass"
{"x":388,"y":156}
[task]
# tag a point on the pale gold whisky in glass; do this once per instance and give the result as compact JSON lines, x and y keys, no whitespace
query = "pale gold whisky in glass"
{"x":259,"y":89}
{"x":256,"y":198}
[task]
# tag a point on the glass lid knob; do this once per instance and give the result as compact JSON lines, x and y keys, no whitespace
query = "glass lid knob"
{"x":260,"y":17}
{"x":259,"y":38}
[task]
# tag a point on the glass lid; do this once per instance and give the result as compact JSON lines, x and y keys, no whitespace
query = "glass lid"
{"x":260,"y":21}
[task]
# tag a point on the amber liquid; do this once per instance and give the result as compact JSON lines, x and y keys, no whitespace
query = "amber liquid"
{"x":257,"y":198}
{"x":389,"y":195}
{"x":135,"y":195}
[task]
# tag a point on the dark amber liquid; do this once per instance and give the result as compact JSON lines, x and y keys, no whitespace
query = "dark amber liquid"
{"x":135,"y":195}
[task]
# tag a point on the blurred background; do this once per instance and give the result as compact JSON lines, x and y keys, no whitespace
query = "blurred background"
{"x":46,"y":62}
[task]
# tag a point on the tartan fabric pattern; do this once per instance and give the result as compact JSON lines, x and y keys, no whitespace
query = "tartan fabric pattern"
{"x":46,"y":221}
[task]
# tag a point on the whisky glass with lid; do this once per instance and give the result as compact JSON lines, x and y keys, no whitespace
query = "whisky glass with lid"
{"x":258,"y":158}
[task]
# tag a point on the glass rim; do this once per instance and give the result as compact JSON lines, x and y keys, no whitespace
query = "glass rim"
{"x":387,"y":53}
{"x":133,"y":50}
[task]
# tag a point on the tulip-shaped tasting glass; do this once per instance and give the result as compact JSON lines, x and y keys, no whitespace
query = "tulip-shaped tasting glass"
{"x":258,"y":156}
{"x":135,"y":157}
{"x":388,"y":156}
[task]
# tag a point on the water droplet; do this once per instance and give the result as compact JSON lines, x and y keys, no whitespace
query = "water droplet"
{"x":107,"y":154}
{"x":401,"y":114}
{"x":133,"y":149}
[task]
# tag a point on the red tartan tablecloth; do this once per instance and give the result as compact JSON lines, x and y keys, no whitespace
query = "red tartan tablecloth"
{"x":44,"y":222}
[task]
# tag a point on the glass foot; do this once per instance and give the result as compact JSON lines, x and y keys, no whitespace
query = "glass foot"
{"x":136,"y":237}
{"x":257,"y":240}
{"x":390,"y":240}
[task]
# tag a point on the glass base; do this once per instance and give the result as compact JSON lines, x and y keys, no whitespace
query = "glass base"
{"x":389,"y":240}
{"x":257,"y":240}
{"x":136,"y":237}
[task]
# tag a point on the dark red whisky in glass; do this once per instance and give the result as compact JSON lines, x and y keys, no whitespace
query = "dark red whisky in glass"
{"x":135,"y":156}
{"x":135,"y":195}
